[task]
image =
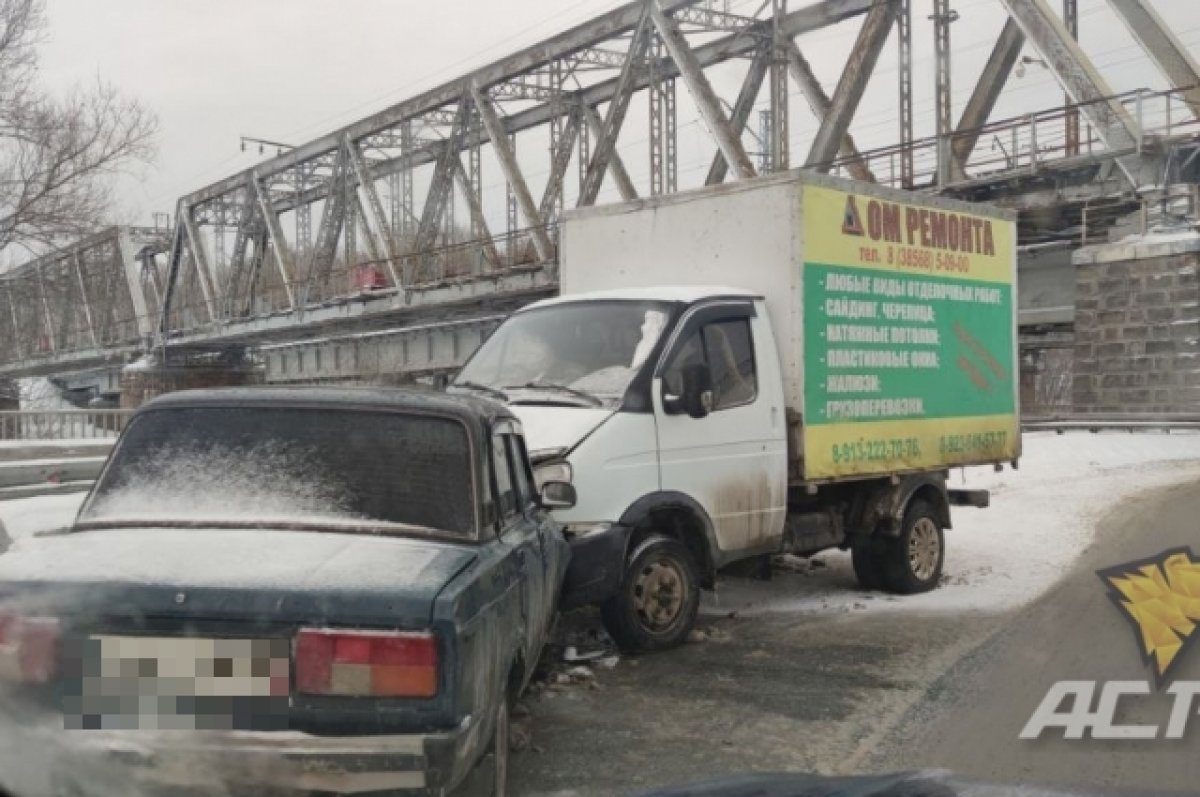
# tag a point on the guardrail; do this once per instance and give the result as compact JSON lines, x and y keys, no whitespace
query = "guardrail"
{"x":1116,"y":422}
{"x":62,"y":424}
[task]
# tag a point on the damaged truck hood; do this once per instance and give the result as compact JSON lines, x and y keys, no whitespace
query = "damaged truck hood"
{"x":557,"y":429}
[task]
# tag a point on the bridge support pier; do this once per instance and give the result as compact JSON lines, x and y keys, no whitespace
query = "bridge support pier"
{"x":9,"y":399}
{"x":147,"y":378}
{"x":1137,"y":325}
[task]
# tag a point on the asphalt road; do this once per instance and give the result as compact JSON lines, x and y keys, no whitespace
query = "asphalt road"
{"x":977,"y":709}
{"x":875,"y":692}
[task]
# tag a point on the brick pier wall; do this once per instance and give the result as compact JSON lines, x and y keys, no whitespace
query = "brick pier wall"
{"x":1137,"y":326}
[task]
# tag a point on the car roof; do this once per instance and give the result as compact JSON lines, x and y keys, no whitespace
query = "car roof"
{"x":688,"y":294}
{"x":465,"y":407}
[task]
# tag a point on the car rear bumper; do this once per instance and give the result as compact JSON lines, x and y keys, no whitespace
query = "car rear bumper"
{"x":256,"y":762}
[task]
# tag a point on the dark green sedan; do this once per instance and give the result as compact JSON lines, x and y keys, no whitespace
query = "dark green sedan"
{"x":332,"y":590}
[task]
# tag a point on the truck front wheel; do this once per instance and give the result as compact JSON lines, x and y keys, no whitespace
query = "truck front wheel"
{"x":912,"y":561}
{"x":659,"y":596}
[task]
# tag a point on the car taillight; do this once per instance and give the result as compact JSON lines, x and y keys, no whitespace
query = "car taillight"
{"x":28,"y":648}
{"x":366,"y":663}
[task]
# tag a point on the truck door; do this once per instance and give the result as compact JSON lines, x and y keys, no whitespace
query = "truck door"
{"x":733,"y":461}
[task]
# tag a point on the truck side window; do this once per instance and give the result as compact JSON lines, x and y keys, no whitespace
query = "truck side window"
{"x":506,"y":498}
{"x":730,"y":352}
{"x":526,"y":494}
{"x":689,"y":352}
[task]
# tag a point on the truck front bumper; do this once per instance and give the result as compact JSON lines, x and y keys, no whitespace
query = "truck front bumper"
{"x":246,"y":762}
{"x":597,"y":565}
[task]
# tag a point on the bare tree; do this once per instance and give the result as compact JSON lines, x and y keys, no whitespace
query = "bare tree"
{"x":57,"y":154}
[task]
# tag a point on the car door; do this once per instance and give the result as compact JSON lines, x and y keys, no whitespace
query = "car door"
{"x":521,"y":536}
{"x":554,"y":549}
{"x":732,"y":461}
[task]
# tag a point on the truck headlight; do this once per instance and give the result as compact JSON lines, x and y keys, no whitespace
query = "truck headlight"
{"x":558,"y":470}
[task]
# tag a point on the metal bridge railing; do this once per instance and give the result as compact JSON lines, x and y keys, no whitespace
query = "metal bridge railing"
{"x":367,"y":279}
{"x":62,"y":424}
{"x":1026,"y":144}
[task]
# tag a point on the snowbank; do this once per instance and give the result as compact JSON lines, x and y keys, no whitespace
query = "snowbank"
{"x":24,"y":516}
{"x":1041,"y":519}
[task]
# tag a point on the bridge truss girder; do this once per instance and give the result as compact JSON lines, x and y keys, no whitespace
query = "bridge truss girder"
{"x":385,"y":191}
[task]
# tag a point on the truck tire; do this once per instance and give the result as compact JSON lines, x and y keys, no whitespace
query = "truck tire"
{"x":866,"y":560}
{"x":659,"y":596}
{"x":912,"y":561}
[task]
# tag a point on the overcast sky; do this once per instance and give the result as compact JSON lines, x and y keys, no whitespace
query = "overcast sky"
{"x":290,"y":70}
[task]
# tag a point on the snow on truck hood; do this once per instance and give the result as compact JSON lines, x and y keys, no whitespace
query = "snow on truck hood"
{"x":556,"y":428}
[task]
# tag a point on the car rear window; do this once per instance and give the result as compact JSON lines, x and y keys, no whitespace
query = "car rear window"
{"x":238,"y":465}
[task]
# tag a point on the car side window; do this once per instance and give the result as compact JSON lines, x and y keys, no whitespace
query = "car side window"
{"x":522,"y":473}
{"x":730,"y":351}
{"x":506,"y":493}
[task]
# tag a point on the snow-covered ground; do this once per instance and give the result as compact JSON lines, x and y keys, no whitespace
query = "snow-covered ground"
{"x":74,"y":442}
{"x":1041,"y":519}
{"x":24,"y":516}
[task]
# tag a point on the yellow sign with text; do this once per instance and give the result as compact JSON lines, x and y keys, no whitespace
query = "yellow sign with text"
{"x":909,"y":336}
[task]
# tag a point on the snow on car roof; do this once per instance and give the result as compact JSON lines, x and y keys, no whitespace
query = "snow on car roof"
{"x":687,"y":294}
{"x":464,"y":407}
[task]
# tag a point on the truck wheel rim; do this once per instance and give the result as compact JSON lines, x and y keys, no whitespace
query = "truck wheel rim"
{"x":924,"y":549}
{"x":658,"y":594}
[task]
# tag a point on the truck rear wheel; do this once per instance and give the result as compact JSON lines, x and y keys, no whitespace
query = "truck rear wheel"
{"x":912,"y":561}
{"x":659,"y":596}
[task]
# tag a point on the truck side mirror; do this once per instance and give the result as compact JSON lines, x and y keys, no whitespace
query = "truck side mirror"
{"x":558,"y":495}
{"x":697,"y":398}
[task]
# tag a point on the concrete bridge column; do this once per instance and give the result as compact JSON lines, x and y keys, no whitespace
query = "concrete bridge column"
{"x":9,"y":399}
{"x":148,"y":377}
{"x":1137,"y":325}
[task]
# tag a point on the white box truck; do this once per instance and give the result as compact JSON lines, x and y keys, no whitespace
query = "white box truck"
{"x":791,"y":363}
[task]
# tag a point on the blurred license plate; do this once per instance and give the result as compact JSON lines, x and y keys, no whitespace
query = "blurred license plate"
{"x":178,"y":683}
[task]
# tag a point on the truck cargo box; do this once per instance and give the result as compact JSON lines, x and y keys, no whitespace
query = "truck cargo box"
{"x":894,"y":312}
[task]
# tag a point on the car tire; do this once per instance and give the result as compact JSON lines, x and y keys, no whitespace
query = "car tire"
{"x":912,"y":561}
{"x":659,"y":596}
{"x":866,"y":560}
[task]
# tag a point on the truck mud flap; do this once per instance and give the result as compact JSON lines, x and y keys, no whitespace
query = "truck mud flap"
{"x":976,"y":498}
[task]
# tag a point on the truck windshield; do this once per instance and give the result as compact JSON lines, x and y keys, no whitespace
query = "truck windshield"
{"x":284,"y":467}
{"x":576,"y":353}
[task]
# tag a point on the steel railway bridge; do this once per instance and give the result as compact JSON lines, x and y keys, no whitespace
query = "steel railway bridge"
{"x":379,"y":248}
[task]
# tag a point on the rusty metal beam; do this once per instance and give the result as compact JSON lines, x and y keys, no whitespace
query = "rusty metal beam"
{"x":818,"y":102}
{"x":742,"y":108}
{"x":863,"y":56}
{"x":702,"y":92}
{"x":1165,"y":49}
{"x":987,"y":92}
{"x":1079,"y":78}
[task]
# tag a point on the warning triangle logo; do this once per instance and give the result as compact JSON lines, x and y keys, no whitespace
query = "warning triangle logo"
{"x":851,"y":221}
